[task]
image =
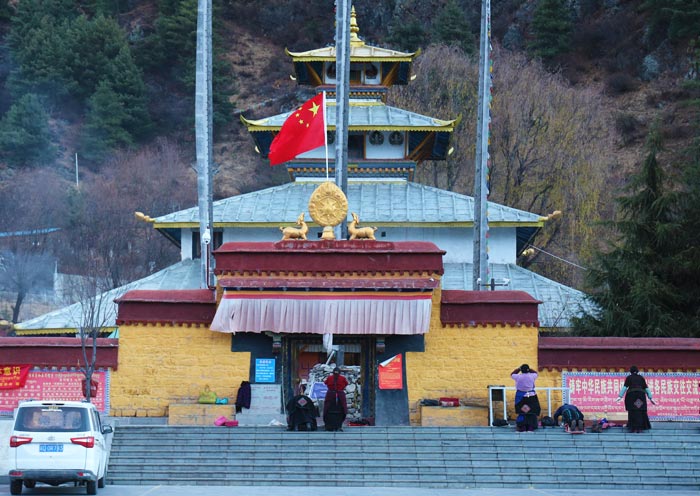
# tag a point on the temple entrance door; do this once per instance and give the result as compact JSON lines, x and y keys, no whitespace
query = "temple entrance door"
{"x":303,"y":352}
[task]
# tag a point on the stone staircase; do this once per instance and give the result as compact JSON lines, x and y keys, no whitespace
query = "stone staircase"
{"x":450,"y":457}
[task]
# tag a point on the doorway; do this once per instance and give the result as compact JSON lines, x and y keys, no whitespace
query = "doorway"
{"x":303,"y":352}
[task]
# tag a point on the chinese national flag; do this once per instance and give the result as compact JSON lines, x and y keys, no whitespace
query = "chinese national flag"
{"x":304,"y":130}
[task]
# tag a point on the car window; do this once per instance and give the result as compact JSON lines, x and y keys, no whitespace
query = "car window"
{"x":52,"y":419}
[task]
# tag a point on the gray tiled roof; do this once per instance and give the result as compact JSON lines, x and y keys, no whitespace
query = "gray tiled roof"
{"x":363,"y":116}
{"x":374,"y":202}
{"x":559,"y":302}
{"x":182,"y":275}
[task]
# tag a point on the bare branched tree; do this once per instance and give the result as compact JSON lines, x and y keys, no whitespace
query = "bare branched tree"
{"x":96,"y":313}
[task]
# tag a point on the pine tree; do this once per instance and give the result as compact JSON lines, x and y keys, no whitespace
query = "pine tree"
{"x":551,"y":29}
{"x":126,"y":80}
{"x":676,"y":19}
{"x":105,"y":126}
{"x":25,"y":137}
{"x":641,"y":284}
{"x":452,"y":27}
{"x":407,"y":35}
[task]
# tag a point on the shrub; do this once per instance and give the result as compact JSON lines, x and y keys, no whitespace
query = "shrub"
{"x":620,"y":83}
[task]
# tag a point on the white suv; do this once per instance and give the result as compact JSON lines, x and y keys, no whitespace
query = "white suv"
{"x":55,"y":442}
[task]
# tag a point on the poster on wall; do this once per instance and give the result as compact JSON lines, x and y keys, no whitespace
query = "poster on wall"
{"x":677,"y":394}
{"x":264,"y":370}
{"x":54,"y":385}
{"x":391,"y":373}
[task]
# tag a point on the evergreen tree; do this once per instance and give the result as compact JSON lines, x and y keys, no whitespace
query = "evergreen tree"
{"x":641,"y":284}
{"x":551,"y":29}
{"x":25,"y":137}
{"x":94,"y":46}
{"x":174,"y":45}
{"x":676,"y":19}
{"x":105,"y":125}
{"x":452,"y":28}
{"x":41,"y":49}
{"x":126,"y":80}
{"x":409,"y":36}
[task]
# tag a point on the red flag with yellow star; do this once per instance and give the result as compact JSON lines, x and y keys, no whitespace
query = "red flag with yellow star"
{"x":304,"y":130}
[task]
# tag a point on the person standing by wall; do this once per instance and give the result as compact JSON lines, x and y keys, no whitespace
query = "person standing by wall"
{"x":635,"y":391}
{"x":527,"y":405}
{"x":335,"y":406}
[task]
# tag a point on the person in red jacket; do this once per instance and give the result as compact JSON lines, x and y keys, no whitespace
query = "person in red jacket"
{"x":335,"y":406}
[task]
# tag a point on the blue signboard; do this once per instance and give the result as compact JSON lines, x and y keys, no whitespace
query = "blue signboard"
{"x":265,"y":370}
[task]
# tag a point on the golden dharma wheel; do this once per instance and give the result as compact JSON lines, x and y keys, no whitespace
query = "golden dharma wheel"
{"x":328,"y":205}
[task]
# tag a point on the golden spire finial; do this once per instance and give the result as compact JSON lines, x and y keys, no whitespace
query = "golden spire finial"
{"x":354,"y":29}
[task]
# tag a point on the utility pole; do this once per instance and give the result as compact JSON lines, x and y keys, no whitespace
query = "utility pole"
{"x":203,"y":124}
{"x":482,"y":160}
{"x":342,"y":101}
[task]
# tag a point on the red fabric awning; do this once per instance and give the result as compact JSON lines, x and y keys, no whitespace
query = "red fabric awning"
{"x":324,"y":312}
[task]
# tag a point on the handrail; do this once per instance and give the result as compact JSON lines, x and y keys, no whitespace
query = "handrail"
{"x":503,"y":389}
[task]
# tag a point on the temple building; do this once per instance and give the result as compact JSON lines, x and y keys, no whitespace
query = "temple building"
{"x":393,"y":306}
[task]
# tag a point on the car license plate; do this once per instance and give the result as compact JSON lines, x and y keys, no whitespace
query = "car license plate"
{"x":50,"y":448}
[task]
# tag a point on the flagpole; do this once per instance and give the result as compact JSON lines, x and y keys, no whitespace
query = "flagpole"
{"x":325,"y":133}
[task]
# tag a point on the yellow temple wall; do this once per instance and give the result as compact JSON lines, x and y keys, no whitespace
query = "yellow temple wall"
{"x":462,"y":362}
{"x":160,"y":365}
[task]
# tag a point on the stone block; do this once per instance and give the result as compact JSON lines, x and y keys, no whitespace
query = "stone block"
{"x":197,"y":414}
{"x":437,"y":416}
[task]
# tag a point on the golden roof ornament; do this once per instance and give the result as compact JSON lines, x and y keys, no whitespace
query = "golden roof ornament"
{"x":357,"y":232}
{"x":328,"y":207}
{"x":354,"y":29}
{"x":296,"y":232}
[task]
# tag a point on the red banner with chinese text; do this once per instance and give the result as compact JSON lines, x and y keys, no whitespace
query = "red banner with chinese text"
{"x":13,"y":376}
{"x":53,"y":385}
{"x":677,"y":394}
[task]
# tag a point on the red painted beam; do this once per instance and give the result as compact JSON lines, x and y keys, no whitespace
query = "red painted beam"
{"x":55,"y":352}
{"x":616,"y":352}
{"x":166,"y":307}
{"x":471,"y":308}
{"x":324,"y":257}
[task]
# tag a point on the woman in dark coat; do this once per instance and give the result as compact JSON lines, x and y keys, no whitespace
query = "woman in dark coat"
{"x":335,"y":406}
{"x":635,"y":391}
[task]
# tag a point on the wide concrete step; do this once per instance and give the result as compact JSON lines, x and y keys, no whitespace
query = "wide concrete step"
{"x":405,"y":457}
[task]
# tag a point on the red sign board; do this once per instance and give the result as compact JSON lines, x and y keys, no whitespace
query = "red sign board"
{"x":677,"y":394}
{"x":391,"y":373}
{"x":51,"y":385}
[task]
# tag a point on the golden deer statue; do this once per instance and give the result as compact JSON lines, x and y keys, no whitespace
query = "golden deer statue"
{"x":296,"y":232}
{"x":360,"y":232}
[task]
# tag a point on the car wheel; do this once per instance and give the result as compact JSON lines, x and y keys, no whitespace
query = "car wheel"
{"x":29,"y":484}
{"x":101,"y":481}
{"x":91,"y":487}
{"x":16,"y":487}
